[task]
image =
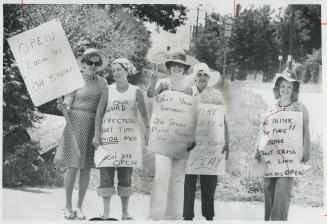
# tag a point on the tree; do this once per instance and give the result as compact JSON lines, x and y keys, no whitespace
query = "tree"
{"x":207,"y":47}
{"x":253,"y":43}
{"x":169,"y":16}
{"x":307,"y":30}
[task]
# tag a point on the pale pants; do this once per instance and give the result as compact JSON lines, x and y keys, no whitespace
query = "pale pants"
{"x":278,"y":192}
{"x":166,"y":201}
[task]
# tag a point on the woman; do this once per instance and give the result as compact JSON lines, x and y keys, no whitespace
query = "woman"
{"x":169,"y":175}
{"x":81,"y":105}
{"x":207,"y":95}
{"x":130,"y":97}
{"x":278,"y":190}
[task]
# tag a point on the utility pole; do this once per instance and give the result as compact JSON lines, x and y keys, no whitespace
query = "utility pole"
{"x":190,"y":36}
{"x":197,"y":22}
{"x":227,"y":34}
{"x":291,"y":31}
{"x":205,"y":24}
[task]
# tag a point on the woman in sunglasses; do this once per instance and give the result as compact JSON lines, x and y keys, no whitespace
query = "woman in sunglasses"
{"x":81,"y":105}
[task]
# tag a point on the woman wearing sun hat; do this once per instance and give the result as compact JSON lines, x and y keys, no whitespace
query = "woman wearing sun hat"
{"x":167,"y":190}
{"x":208,"y":183}
{"x":81,"y":105}
{"x":131,"y":97}
{"x":278,"y":190}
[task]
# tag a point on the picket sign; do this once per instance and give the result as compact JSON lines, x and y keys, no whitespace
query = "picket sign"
{"x":173,"y":124}
{"x":281,"y":144}
{"x":47,"y":64}
{"x":206,"y":157}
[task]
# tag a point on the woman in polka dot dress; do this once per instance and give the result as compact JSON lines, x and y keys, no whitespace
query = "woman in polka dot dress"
{"x":81,"y":105}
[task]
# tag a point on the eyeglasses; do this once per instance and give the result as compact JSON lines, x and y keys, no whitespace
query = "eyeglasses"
{"x":95,"y":63}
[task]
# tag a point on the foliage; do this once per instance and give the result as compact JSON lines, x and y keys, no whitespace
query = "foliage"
{"x":253,"y":43}
{"x":168,"y":16}
{"x":25,"y":166}
{"x":208,"y":45}
{"x":307,"y":30}
{"x":258,"y":38}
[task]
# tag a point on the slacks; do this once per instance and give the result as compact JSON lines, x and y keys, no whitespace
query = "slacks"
{"x":278,"y":192}
{"x":208,"y":188}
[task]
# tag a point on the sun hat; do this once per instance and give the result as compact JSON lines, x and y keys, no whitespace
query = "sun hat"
{"x":126,"y":64}
{"x":177,"y":57}
{"x":289,"y":76}
{"x":202,"y":67}
{"x":93,"y":51}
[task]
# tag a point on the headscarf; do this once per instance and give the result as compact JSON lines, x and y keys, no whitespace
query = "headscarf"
{"x":126,"y":64}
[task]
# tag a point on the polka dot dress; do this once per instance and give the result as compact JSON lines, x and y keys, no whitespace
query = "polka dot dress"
{"x":82,"y":116}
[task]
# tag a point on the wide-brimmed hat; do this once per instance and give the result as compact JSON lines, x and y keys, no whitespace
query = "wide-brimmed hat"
{"x":93,"y":51}
{"x":202,"y":67}
{"x":289,"y":76}
{"x":177,"y":57}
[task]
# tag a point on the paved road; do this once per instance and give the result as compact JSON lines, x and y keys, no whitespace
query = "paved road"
{"x":46,"y":204}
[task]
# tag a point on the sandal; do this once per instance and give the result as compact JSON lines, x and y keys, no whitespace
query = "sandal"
{"x":69,"y":214}
{"x":79,"y":214}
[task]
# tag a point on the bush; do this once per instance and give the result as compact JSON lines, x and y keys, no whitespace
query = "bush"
{"x":26,"y":167}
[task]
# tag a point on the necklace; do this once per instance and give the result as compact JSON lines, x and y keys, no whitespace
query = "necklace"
{"x":283,"y":107}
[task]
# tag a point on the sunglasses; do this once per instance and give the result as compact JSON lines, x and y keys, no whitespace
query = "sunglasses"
{"x":95,"y":63}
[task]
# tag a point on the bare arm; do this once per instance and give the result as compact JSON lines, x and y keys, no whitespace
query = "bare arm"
{"x":99,"y":115}
{"x":306,"y":135}
{"x":226,"y":146}
{"x":143,"y":112}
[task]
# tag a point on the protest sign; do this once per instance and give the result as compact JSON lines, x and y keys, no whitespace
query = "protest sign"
{"x":120,"y":135}
{"x":281,"y":144}
{"x":206,"y":157}
{"x":112,"y":155}
{"x":46,"y":62}
{"x":47,"y":131}
{"x":173,"y":124}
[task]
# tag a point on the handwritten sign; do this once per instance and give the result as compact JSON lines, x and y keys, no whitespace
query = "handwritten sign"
{"x":48,"y":131}
{"x":46,"y":62}
{"x":282,"y":144}
{"x":117,"y":156}
{"x":206,"y":157}
{"x":120,"y":135}
{"x":173,"y":124}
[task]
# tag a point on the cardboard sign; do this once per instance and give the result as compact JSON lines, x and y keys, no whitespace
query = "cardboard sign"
{"x":112,"y":155}
{"x":282,"y":144}
{"x":48,"y":131}
{"x":173,"y":124}
{"x":46,"y":62}
{"x":206,"y":157}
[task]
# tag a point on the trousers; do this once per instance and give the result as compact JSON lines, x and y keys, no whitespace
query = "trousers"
{"x":167,"y":190}
{"x":278,"y":192}
{"x":208,"y":188}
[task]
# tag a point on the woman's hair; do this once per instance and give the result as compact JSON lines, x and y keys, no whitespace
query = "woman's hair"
{"x":87,"y":57}
{"x":295,"y":91}
{"x":169,"y":66}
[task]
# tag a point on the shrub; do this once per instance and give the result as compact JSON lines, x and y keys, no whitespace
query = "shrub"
{"x":26,"y":167}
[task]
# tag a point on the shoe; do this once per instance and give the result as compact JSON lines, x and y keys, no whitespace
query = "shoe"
{"x":79,"y":214}
{"x":209,"y":218}
{"x":127,"y":218}
{"x":69,"y":214}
